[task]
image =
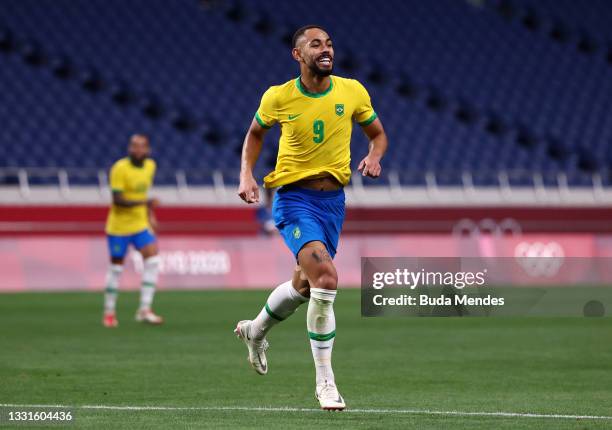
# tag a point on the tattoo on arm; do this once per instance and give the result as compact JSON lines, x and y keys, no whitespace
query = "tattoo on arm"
{"x":321,"y":255}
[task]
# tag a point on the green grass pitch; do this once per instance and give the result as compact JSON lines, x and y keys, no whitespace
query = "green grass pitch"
{"x":391,"y":371}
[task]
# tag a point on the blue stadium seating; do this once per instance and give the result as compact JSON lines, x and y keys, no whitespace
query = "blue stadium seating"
{"x":459,"y":88}
{"x":589,"y":19}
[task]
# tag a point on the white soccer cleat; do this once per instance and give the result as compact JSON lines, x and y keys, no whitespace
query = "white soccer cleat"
{"x":148,"y":317}
{"x":257,"y":348}
{"x":328,"y":396}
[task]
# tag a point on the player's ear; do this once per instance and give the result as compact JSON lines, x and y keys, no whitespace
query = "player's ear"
{"x":297,"y":55}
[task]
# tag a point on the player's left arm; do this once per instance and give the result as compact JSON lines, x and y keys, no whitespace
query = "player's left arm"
{"x":152,"y":220}
{"x":152,"y":203}
{"x":370,"y":165}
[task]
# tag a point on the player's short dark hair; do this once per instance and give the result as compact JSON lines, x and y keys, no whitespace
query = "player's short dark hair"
{"x":146,"y":136}
{"x":300,"y":31}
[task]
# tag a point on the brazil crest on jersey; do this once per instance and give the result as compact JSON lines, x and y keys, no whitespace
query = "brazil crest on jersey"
{"x":315,"y":128}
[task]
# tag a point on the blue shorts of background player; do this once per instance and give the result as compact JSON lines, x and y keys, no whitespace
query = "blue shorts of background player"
{"x":303,"y":215}
{"x":118,"y":245}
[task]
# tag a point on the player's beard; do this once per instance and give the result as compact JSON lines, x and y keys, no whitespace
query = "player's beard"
{"x":137,"y":161}
{"x":318,"y":71}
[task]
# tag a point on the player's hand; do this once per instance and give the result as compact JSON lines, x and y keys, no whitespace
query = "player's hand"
{"x":248,"y":190}
{"x":153,"y":203}
{"x":370,"y":166}
{"x":153,"y":222}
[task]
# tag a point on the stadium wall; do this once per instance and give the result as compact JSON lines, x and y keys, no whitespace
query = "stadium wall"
{"x":238,"y":221}
{"x":79,"y":262}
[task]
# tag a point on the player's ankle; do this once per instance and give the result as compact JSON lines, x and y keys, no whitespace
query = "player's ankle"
{"x":255,"y":334}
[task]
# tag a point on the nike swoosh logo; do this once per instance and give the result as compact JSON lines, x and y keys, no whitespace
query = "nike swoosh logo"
{"x":292,"y":117}
{"x":263,"y":366}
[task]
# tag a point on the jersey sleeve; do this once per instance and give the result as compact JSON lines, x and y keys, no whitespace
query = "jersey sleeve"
{"x":267,"y":114}
{"x":153,"y":168}
{"x":117,"y":178}
{"x":364,"y":113}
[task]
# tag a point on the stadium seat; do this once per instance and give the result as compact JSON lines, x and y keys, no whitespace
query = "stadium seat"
{"x":6,"y":40}
{"x":483,"y":95}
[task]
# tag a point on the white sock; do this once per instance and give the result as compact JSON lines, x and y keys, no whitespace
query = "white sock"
{"x":149,"y":281}
{"x":281,"y":303}
{"x":112,"y":287}
{"x":321,"y":323}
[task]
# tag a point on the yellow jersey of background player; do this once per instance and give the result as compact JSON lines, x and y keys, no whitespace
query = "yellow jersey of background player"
{"x":130,"y":222}
{"x":132,"y":182}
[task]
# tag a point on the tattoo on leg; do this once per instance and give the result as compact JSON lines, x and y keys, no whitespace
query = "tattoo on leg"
{"x":321,"y":256}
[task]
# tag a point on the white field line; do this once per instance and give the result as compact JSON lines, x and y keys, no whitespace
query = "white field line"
{"x":290,"y":409}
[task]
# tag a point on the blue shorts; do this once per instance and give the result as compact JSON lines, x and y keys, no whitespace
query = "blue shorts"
{"x":118,"y":245}
{"x":302,"y":215}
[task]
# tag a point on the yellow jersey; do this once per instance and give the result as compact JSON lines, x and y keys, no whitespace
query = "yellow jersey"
{"x":133,"y":183}
{"x":315,"y":128}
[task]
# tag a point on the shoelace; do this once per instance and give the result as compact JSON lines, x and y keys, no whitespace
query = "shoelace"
{"x":329,"y":390}
{"x":263,"y":346}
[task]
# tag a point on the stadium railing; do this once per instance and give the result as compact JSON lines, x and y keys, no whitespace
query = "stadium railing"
{"x":443,"y":185}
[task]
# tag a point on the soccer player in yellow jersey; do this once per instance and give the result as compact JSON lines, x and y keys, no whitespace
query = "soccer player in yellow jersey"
{"x":315,"y":112}
{"x":131,"y":221}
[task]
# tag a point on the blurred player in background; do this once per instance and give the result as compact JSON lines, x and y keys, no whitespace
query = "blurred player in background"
{"x":315,"y":113}
{"x":131,"y":221}
{"x":264,"y":215}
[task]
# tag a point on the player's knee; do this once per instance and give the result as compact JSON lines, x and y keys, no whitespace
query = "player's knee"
{"x":149,"y":251}
{"x":327,"y":281}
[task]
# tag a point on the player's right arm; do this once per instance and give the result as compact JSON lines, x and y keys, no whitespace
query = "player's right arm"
{"x":248,"y":190}
{"x":121,"y":201}
{"x":265,"y":117}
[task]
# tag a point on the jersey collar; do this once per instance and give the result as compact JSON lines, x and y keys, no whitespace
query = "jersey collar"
{"x":298,"y":84}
